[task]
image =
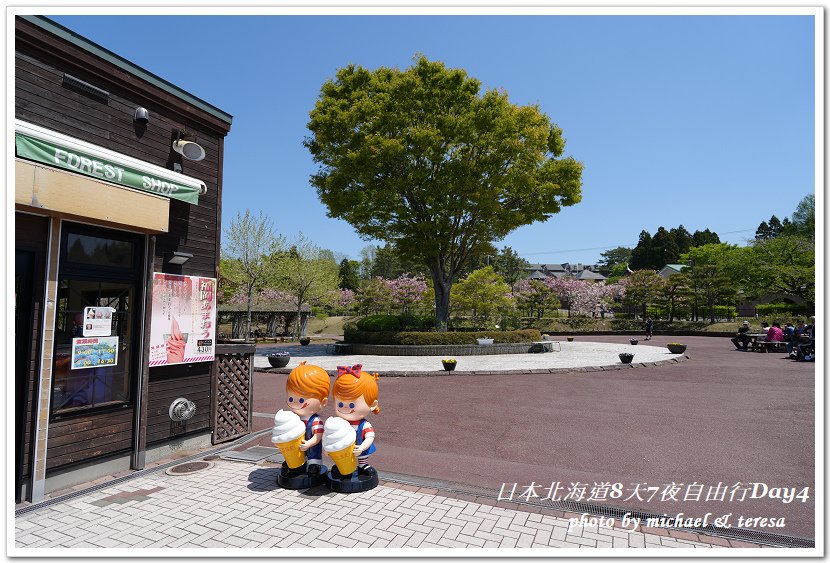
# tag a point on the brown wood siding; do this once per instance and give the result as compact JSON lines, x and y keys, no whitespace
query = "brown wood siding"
{"x":194,"y":386}
{"x":41,"y":98}
{"x":31,"y":233}
{"x":83,"y":439}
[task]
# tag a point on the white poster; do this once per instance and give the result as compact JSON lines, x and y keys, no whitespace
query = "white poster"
{"x":98,"y":321}
{"x":183,"y":323}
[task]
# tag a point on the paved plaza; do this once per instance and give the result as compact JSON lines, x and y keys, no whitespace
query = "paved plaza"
{"x":238,"y":505}
{"x":717,"y":415}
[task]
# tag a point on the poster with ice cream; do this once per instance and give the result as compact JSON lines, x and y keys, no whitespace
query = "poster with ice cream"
{"x":183,"y":326}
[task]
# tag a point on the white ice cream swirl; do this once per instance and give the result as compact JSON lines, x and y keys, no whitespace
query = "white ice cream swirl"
{"x":287,"y":426}
{"x":337,"y":434}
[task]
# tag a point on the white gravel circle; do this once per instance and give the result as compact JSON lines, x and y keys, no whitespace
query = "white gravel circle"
{"x":575,"y":354}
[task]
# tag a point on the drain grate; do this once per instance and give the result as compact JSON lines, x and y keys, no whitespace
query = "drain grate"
{"x":253,"y":454}
{"x":189,"y":467}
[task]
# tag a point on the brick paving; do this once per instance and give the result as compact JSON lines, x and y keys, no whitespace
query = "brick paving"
{"x":239,"y":505}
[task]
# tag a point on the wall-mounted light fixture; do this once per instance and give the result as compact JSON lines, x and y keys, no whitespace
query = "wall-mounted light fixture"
{"x":142,"y":116}
{"x":179,"y":257}
{"x":188,"y":149}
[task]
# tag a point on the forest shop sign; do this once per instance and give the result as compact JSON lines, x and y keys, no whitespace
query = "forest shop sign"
{"x":115,"y":169}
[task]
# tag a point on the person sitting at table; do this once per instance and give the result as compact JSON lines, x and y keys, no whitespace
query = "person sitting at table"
{"x":741,"y":340}
{"x":797,"y":332}
{"x":764,"y":327}
{"x":775,"y":334}
{"x":807,"y":346}
{"x":789,"y":330}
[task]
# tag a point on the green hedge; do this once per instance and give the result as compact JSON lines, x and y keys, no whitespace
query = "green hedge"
{"x":781,"y":309}
{"x":354,"y":335}
{"x":379,"y":323}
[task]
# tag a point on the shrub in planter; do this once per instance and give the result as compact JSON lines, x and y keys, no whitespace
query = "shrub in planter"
{"x":626,"y":358}
{"x":305,"y":340}
{"x":449,"y":365}
{"x":676,"y":348}
{"x":633,"y":341}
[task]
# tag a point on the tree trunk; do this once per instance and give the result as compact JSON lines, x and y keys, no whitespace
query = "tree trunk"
{"x":299,"y":316}
{"x":442,"y":299}
{"x":248,"y":318}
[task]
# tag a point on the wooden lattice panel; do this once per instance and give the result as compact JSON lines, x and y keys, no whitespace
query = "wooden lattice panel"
{"x":233,"y":397}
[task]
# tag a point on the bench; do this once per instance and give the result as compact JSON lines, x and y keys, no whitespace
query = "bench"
{"x":773,"y":345}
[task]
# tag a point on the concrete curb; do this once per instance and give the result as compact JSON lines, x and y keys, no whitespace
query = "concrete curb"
{"x":544,"y":371}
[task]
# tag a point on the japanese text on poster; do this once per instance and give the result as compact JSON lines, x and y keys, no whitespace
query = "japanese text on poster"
{"x":184,"y":319}
{"x":94,"y":352}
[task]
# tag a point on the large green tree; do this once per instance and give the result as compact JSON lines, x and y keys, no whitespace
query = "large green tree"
{"x":424,"y":159}
{"x":715,"y":274}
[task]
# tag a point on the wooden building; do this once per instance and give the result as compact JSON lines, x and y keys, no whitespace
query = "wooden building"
{"x":102,"y":201}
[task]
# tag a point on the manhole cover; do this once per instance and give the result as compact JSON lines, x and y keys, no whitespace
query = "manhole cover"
{"x":190,"y":467}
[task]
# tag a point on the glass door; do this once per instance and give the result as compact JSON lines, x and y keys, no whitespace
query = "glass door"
{"x":97,"y":340}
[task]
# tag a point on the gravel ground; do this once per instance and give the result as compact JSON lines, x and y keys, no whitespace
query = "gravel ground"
{"x":572,"y":355}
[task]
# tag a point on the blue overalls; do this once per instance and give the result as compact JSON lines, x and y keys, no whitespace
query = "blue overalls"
{"x":359,"y":441}
{"x":314,"y":452}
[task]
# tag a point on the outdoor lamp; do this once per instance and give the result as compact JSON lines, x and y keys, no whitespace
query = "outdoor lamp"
{"x":180,"y":257}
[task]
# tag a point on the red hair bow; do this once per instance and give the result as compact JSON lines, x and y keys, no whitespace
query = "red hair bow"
{"x":354,"y":370}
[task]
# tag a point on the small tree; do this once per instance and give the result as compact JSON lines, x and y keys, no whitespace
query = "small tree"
{"x":642,"y":288}
{"x":307,"y":273}
{"x":535,"y":296}
{"x":483,"y":293}
{"x":249,"y":242}
{"x":349,"y":274}
{"x":373,"y":296}
{"x":407,"y":291}
{"x":675,"y":293}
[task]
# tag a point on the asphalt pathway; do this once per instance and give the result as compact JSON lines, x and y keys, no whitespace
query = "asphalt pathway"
{"x":717,"y":422}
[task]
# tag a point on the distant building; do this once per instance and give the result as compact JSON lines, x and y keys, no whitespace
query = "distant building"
{"x":577,"y":271}
{"x":670,"y":270}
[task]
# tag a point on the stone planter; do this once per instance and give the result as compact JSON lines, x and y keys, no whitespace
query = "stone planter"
{"x":449,"y":366}
{"x":305,"y":341}
{"x":626,"y":358}
{"x":279,"y":360}
{"x":676,"y":348}
{"x":484,"y":341}
{"x":633,"y":341}
{"x":570,"y":338}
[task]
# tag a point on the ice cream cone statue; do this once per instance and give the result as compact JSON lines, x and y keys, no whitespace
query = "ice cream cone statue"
{"x":355,"y":395}
{"x":307,"y":391}
{"x":338,"y":441}
{"x":288,"y":434}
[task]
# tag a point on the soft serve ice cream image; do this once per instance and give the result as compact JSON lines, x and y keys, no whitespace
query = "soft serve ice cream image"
{"x":175,"y":344}
{"x":338,"y":441}
{"x":287,"y":434}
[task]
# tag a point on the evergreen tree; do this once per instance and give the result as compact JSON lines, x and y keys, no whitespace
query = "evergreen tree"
{"x":682,"y":238}
{"x":700,"y":238}
{"x":349,"y":274}
{"x":663,"y":248}
{"x":642,"y":255}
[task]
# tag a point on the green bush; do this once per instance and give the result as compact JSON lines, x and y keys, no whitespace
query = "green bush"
{"x":781,"y":309}
{"x":379,"y":323}
{"x":354,"y":335}
{"x":722,"y":311}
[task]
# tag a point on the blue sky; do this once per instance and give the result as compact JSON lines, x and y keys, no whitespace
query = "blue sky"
{"x":705,"y":121}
